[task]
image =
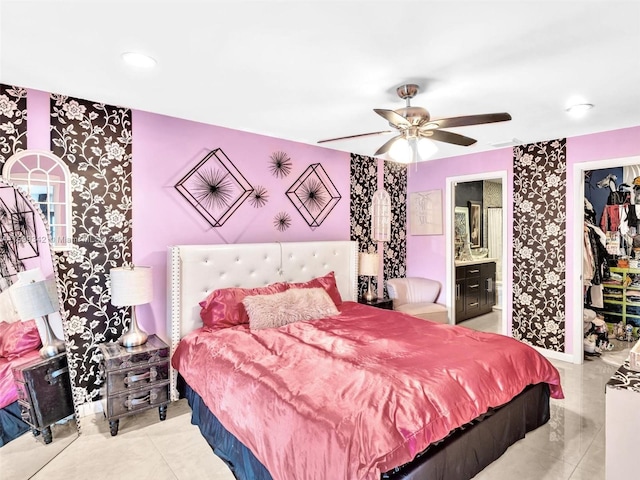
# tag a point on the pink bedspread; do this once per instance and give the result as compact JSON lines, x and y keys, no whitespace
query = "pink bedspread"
{"x":8,"y":389}
{"x":354,"y":395}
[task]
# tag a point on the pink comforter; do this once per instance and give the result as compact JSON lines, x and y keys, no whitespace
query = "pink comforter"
{"x":353,"y":395}
{"x":8,"y":389}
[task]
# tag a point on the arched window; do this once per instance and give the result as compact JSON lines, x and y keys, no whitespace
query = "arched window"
{"x":47,"y":180}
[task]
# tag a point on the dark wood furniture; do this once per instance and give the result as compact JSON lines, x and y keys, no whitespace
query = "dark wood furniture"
{"x":385,"y":303}
{"x":44,"y":393}
{"x":135,"y":379}
{"x":475,"y":289}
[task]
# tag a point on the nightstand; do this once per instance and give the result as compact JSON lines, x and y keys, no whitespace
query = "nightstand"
{"x":44,"y":393}
{"x":135,"y":379}
{"x":385,"y":303}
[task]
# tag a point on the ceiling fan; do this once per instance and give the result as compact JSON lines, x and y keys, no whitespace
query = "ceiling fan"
{"x":415,"y":123}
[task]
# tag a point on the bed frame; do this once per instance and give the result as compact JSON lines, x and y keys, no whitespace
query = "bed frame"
{"x":197,"y":270}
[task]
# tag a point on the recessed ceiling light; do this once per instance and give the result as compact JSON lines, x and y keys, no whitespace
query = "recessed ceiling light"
{"x":139,"y":59}
{"x":579,"y":109}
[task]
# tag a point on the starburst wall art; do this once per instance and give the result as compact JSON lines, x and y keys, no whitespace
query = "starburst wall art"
{"x":314,"y":195}
{"x":18,"y":238}
{"x":216,"y":188}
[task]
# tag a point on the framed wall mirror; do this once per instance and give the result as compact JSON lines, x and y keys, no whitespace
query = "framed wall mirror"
{"x":475,"y":224}
{"x":26,"y":253}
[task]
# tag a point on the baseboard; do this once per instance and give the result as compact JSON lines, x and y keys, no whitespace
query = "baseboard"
{"x":553,"y":355}
{"x":90,"y":409}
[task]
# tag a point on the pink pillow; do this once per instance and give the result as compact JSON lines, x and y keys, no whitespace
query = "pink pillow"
{"x":18,"y":338}
{"x":223,"y":308}
{"x":328,"y":282}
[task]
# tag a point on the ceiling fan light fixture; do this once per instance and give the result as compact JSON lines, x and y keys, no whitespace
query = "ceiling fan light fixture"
{"x":426,"y":148}
{"x":401,"y":151}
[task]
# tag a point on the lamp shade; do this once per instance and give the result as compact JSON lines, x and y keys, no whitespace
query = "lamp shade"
{"x":368,"y":264}
{"x":32,"y":300}
{"x":131,"y":286}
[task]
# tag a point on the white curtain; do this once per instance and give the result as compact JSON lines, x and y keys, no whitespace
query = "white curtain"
{"x":494,"y":232}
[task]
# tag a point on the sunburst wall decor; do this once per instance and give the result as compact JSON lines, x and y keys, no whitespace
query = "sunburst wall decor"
{"x":215,"y":188}
{"x":18,"y":239}
{"x":280,"y":164}
{"x":314,"y":195}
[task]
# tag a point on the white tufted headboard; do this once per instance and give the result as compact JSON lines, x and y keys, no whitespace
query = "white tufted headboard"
{"x":197,"y":270}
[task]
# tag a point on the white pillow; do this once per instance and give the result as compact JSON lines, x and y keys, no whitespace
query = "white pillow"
{"x":293,"y":305}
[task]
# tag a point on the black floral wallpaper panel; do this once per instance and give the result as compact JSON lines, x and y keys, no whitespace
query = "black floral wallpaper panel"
{"x":94,"y":140}
{"x":364,"y":182}
{"x":13,"y":121}
{"x":395,"y":250}
{"x":539,"y":240}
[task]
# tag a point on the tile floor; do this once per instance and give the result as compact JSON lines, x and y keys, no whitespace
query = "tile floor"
{"x":569,"y":447}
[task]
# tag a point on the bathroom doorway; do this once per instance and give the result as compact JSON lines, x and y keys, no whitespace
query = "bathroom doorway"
{"x":477,"y":259}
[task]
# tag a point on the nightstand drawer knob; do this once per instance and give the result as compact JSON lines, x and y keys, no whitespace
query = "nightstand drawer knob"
{"x":131,"y":378}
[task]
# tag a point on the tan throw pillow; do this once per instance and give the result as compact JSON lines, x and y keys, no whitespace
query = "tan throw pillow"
{"x":293,"y":305}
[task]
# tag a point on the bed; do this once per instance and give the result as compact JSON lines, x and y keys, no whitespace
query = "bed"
{"x":19,"y":343}
{"x":362,"y":393}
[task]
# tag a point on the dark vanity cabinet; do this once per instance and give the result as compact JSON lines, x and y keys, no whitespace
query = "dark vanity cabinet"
{"x":475,"y":289}
{"x":44,"y":393}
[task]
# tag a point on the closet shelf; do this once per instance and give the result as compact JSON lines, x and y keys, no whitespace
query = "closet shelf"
{"x":622,"y":298}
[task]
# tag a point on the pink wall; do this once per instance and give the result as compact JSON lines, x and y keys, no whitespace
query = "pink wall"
{"x":166,"y":148}
{"x":426,"y":254}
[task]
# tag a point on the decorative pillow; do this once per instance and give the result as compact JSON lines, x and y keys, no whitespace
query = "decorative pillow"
{"x":223,"y":308}
{"x":294,"y":305}
{"x":328,"y":282}
{"x":18,"y":338}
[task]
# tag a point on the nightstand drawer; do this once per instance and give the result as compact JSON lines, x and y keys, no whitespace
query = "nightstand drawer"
{"x":132,"y":401}
{"x":138,"y":377}
{"x":117,"y":357}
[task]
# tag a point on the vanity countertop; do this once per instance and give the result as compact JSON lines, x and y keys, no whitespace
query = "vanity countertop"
{"x":474,"y":262}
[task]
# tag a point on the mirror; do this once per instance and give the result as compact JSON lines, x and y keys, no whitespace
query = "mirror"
{"x":25,"y":250}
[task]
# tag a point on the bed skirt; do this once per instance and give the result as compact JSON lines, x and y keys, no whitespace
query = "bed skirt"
{"x":460,"y":456}
{"x":11,"y":423}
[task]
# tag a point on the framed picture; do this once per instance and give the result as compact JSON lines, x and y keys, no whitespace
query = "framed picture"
{"x":475,"y":224}
{"x":461,"y":225}
{"x":425,"y":213}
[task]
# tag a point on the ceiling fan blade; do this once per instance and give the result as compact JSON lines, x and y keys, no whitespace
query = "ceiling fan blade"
{"x":470,"y":120}
{"x":387,"y":145}
{"x":448,"y":137}
{"x":355,"y":136}
{"x":392,"y":117}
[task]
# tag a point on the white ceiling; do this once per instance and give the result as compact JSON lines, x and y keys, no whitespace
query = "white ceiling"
{"x":311,"y":70}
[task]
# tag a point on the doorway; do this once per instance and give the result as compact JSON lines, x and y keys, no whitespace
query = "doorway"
{"x":476,"y":218}
{"x":608,"y":310}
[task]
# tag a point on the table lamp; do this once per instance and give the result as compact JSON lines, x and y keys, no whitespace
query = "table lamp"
{"x":368,"y":266}
{"x":131,"y":286}
{"x":32,"y":300}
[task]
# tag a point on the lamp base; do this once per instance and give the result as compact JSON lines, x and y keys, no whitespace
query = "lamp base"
{"x":135,"y":335}
{"x":370,"y":296}
{"x":52,"y":345}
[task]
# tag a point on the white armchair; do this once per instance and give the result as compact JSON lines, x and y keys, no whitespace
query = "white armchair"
{"x":417,"y":296}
